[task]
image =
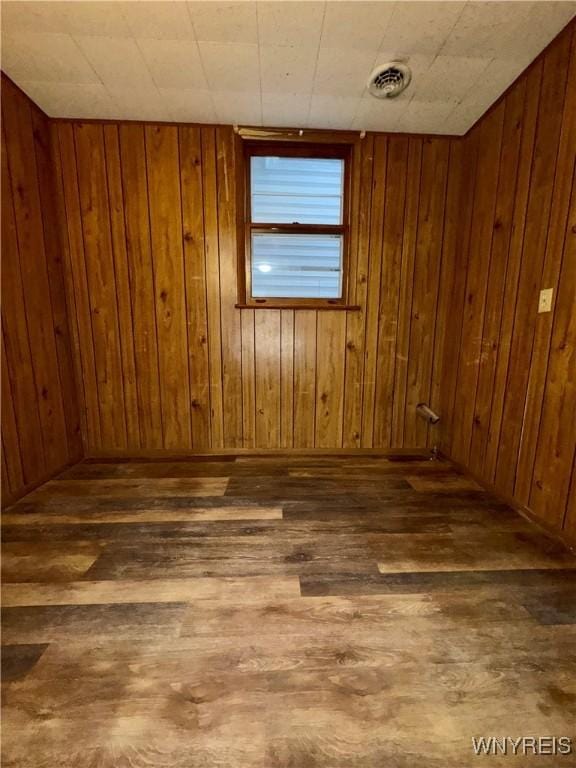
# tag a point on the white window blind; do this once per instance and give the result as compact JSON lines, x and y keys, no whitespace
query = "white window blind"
{"x":297,"y":190}
{"x":296,"y":266}
{"x":303,"y":191}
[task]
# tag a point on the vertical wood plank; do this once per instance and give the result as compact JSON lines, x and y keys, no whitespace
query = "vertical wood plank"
{"x":373,"y":288}
{"x":195,"y":269}
{"x":356,"y":321}
{"x":267,"y":358}
{"x":11,"y":455}
{"x":304,"y":378}
{"x":142,"y":290}
{"x":123,"y":298}
{"x":8,"y":487}
{"x":61,"y":222}
{"x":390,"y":289}
{"x":67,"y":387}
{"x":210,"y":195}
{"x":27,"y":210}
{"x":101,"y":281}
{"x":78,"y":281}
{"x":168,"y":263}
{"x":489,"y":137}
{"x":356,"y":172}
{"x":425,"y":286}
{"x":456,"y":291}
{"x":286,"y":379}
{"x":501,"y":232}
{"x":450,"y":291}
{"x":557,"y":436}
{"x":569,"y":525}
{"x":17,"y":367}
{"x":406,"y":289}
{"x":248,"y":379}
{"x":331,"y":341}
{"x":230,"y":316}
{"x":533,"y":81}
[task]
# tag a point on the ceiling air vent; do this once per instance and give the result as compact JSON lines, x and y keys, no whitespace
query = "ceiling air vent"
{"x":389,"y":80}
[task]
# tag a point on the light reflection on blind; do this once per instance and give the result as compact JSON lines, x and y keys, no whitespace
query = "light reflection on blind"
{"x":297,"y":190}
{"x":296,"y":266}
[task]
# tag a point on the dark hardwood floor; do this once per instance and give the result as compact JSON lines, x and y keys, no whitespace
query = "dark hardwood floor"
{"x":311,"y":612}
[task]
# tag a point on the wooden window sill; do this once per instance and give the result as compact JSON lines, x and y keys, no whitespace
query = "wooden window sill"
{"x":325,"y":307}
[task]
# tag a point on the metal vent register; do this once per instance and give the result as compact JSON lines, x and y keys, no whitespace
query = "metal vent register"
{"x":389,"y":80}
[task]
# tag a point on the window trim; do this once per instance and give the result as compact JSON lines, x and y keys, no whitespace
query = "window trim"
{"x":290,"y":148}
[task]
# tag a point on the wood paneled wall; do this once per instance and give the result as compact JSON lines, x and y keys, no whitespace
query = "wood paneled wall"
{"x":40,"y":416}
{"x":166,"y":359}
{"x":452,"y":240}
{"x":509,"y":391}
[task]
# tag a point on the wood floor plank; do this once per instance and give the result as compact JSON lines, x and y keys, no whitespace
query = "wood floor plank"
{"x":196,"y":486}
{"x":60,"y":623}
{"x":351,"y":647}
{"x":145,"y":516}
{"x":296,"y":530}
{"x":279,"y":612}
{"x":150,"y":591}
{"x":285,"y":488}
{"x":553,"y":606}
{"x":18,"y":660}
{"x":328,"y":615}
{"x":374,"y":694}
{"x":449,"y":483}
{"x":484,"y":553}
{"x":363,"y":469}
{"x":148,"y":469}
{"x":436,"y":581}
{"x":64,"y":504}
{"x":36,"y":561}
{"x":266,"y":467}
{"x":193,"y":561}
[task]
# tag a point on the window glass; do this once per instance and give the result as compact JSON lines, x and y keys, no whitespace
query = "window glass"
{"x":296,"y":265}
{"x":296,"y":190}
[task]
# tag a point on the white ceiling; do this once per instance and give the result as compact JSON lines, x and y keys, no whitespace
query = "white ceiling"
{"x":299,"y":64}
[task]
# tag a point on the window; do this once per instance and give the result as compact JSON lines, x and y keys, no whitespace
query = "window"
{"x":296,"y":224}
